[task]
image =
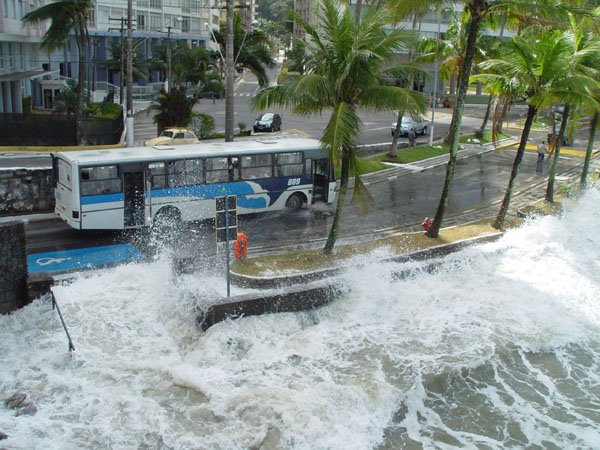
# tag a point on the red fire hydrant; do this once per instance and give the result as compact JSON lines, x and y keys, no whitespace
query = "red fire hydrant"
{"x":426,"y":224}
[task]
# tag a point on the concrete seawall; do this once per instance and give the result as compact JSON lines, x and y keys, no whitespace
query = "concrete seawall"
{"x":311,"y":290}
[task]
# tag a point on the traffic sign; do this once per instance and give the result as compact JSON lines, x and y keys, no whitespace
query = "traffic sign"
{"x":226,"y":218}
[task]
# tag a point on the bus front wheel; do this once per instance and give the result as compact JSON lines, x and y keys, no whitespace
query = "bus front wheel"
{"x":295,"y":202}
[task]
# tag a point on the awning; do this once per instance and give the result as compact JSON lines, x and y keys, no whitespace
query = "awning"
{"x":27,"y":75}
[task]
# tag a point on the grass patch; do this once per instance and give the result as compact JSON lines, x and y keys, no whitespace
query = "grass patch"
{"x":412,"y":154}
{"x":542,"y":122}
{"x":310,"y":260}
{"x":364,"y":165}
{"x":486,"y":139}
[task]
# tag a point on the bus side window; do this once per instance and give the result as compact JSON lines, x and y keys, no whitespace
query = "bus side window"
{"x":257,"y":167}
{"x":216,"y":170}
{"x":157,"y":172}
{"x":100,"y":180}
{"x":233,"y":169}
{"x":289,"y":164}
{"x":308,"y":168}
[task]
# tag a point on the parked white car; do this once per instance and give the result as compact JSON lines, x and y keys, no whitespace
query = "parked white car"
{"x":173,"y":136}
{"x":420,"y":123}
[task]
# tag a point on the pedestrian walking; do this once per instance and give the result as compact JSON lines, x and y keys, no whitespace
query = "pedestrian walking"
{"x":541,"y":153}
{"x":412,"y":137}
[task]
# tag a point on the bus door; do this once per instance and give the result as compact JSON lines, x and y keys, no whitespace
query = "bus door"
{"x":133,"y":192}
{"x":321,"y":179}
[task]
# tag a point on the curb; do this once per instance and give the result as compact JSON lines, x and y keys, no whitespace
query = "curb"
{"x":311,"y":290}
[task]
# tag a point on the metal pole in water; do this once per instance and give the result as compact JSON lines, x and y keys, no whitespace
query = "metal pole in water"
{"x":227,"y":242}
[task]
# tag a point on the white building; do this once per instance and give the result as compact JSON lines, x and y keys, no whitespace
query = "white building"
{"x":20,"y":57}
{"x":26,"y":71}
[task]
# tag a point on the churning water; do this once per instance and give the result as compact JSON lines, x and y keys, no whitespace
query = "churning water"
{"x":498,"y":349}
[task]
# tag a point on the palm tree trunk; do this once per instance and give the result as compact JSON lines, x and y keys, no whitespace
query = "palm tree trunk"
{"x":337,"y":215}
{"x":552,"y":175}
{"x":590,"y":148}
{"x":531,"y":112}
{"x":477,"y":8}
{"x":394,"y":146}
{"x":80,"y":40}
{"x":486,"y":118}
{"x":357,"y":10}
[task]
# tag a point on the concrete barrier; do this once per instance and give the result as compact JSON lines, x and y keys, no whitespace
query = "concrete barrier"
{"x":13,"y":267}
{"x":310,"y":290}
{"x":294,"y":299}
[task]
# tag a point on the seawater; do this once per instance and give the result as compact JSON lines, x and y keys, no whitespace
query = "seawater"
{"x":499,"y":348}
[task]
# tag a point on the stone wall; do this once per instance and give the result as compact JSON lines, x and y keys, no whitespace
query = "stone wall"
{"x":26,"y":191}
{"x":13,"y":267}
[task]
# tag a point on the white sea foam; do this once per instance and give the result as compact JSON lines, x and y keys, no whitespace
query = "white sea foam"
{"x":499,"y":347}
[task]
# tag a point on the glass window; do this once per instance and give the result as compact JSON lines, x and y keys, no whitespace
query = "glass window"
{"x":185,"y":172}
{"x":288,"y":164}
{"x":64,"y":174}
{"x":218,"y":170}
{"x":100,"y":180}
{"x":157,"y":172}
{"x":99,"y":173}
{"x":256,"y":166}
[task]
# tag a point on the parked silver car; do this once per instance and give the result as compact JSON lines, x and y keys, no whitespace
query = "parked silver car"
{"x":420,"y":124}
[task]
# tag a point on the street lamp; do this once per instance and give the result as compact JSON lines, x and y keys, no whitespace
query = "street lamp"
{"x":435,"y":81}
{"x":169,"y":27}
{"x":209,"y":28}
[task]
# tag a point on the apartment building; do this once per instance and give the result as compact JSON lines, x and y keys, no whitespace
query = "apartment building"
{"x":26,"y":72}
{"x":20,"y":58}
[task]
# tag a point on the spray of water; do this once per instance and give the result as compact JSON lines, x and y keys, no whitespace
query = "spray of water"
{"x":500,"y":347}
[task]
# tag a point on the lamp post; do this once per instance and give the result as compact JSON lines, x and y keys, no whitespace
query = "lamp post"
{"x":129,"y":74}
{"x":209,"y":28}
{"x":435,"y":82}
{"x":169,"y":27}
{"x":230,"y":74}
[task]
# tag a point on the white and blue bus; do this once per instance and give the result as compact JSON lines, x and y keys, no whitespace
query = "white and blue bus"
{"x":136,"y":187}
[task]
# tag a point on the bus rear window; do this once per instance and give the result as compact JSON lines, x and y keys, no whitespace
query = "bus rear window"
{"x":64,"y":174}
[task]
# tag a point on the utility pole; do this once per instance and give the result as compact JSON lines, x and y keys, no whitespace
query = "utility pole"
{"x":168,"y":83}
{"x":130,"y":137}
{"x":230,"y":74}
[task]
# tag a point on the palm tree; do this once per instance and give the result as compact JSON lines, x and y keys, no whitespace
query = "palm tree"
{"x":519,"y":11}
{"x":538,"y":65}
{"x":346,"y":58}
{"x":585,"y":60}
{"x":251,"y":48}
{"x":65,"y":16}
{"x":116,"y":64}
{"x":174,"y":109}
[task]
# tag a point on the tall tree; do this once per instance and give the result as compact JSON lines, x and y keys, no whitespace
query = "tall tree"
{"x":65,"y":16}
{"x":346,"y":58}
{"x":251,"y":48}
{"x":174,"y":109}
{"x":585,"y":60}
{"x":538,"y":65}
{"x":519,"y":12}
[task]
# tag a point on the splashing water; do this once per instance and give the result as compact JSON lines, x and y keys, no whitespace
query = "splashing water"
{"x":499,"y":348}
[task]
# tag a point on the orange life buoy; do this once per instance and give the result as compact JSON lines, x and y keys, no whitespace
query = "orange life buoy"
{"x":241,"y":246}
{"x":426,"y":224}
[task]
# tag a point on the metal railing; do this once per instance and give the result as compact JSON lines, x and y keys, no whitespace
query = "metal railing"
{"x":55,"y":305}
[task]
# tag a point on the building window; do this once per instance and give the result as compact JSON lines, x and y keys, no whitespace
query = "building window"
{"x":155,"y":22}
{"x":141,"y":21}
{"x":91,"y":19}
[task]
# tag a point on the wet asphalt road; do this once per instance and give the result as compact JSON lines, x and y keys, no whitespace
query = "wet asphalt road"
{"x":401,"y":198}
